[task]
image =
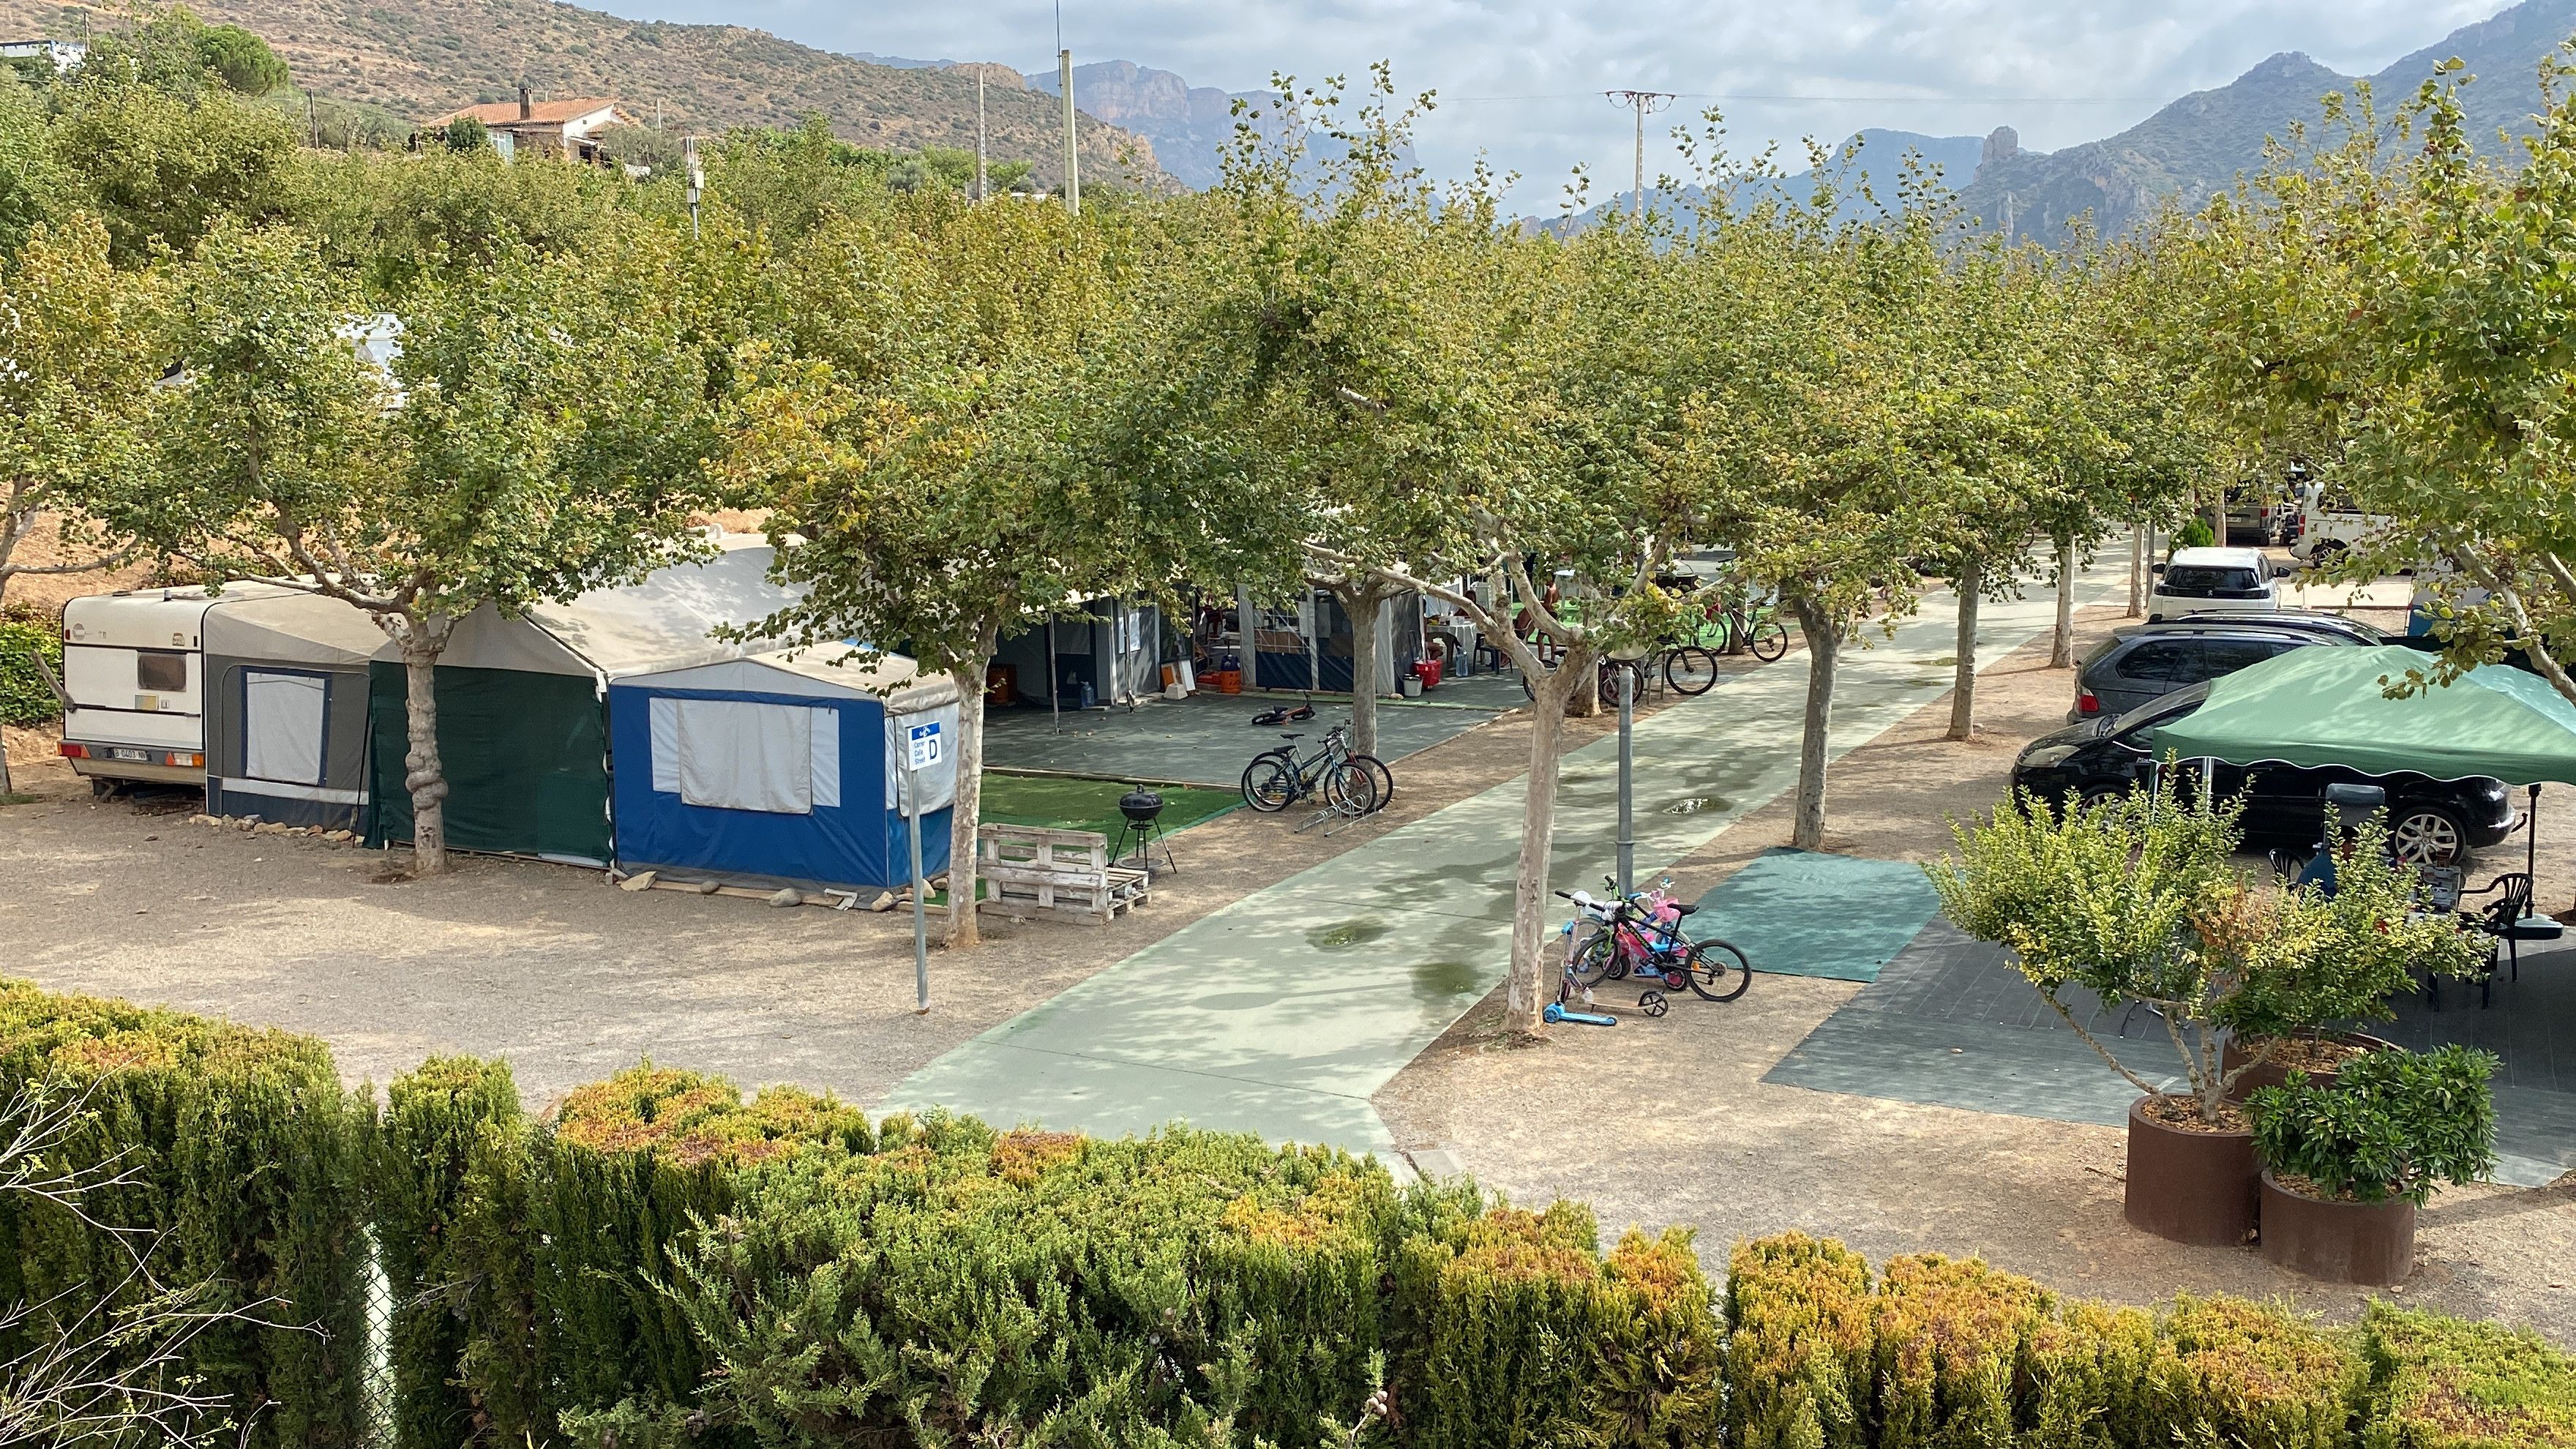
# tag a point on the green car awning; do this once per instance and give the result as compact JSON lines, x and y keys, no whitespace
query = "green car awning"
{"x":2329,"y":706}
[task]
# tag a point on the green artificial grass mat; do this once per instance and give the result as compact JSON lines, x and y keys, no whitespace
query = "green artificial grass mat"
{"x":1063,"y":803}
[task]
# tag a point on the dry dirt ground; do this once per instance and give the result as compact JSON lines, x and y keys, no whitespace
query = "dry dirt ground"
{"x":1672,"y":1123}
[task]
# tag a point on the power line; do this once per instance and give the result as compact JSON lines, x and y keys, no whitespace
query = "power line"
{"x":1643,"y":102}
{"x":1833,"y":100}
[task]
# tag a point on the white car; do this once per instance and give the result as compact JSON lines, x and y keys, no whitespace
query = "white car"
{"x":2328,"y":525}
{"x":2216,"y":581}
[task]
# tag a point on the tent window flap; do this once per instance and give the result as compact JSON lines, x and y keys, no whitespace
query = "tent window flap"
{"x":780,"y":759}
{"x":282,"y":726}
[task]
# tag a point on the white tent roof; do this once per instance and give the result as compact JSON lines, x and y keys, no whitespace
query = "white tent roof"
{"x":824,"y":671}
{"x":665,"y":622}
{"x":291,"y":626}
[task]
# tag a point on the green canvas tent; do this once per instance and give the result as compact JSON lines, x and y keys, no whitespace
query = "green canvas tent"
{"x":523,"y":703}
{"x":2317,"y":707}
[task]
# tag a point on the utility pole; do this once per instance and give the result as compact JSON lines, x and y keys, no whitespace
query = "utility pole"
{"x":979,"y":134}
{"x":1643,"y":101}
{"x":697,"y":176}
{"x":1072,"y":159}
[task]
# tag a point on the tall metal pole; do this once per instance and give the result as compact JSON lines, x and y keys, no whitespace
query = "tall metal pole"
{"x":1627,"y":779}
{"x":920,"y":887}
{"x":1072,"y":156}
{"x":979,"y":133}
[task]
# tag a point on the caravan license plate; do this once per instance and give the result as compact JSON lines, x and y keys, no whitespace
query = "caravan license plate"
{"x":143,"y":757}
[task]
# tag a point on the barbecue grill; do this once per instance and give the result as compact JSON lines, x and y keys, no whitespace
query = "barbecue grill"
{"x":1143,"y":809}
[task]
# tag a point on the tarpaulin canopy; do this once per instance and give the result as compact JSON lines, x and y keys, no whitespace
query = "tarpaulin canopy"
{"x":2317,"y":707}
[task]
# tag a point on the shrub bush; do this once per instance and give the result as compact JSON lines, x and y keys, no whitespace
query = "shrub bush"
{"x":246,"y":1165}
{"x":1800,"y":1356}
{"x":1955,"y":1339}
{"x":1518,"y":1332}
{"x":967,"y":1285}
{"x":2393,"y":1124}
{"x":2234,"y":1372}
{"x":2445,"y":1383}
{"x":25,"y":637}
{"x":568,"y":1228}
{"x":440,"y":1119}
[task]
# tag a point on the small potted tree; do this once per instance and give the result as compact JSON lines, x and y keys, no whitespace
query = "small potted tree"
{"x":2346,"y":1165}
{"x":2138,"y":901}
{"x":2336,"y":959}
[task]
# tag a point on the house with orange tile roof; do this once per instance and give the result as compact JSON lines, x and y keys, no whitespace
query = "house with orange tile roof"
{"x":568,"y":129}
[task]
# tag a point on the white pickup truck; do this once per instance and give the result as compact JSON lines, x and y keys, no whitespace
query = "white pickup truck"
{"x":2327,"y":524}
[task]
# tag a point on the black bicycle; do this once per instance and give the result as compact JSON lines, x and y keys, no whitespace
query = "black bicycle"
{"x":1347,"y":782}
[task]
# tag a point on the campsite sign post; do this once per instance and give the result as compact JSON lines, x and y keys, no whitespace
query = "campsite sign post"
{"x":921,"y":751}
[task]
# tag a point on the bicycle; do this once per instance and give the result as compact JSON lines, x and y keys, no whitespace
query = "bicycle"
{"x":1347,"y":782}
{"x":1641,"y":936}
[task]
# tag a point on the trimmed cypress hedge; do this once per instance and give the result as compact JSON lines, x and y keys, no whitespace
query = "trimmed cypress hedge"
{"x":666,"y":1263}
{"x":247,"y":1164}
{"x":440,"y":1120}
{"x":2448,"y":1383}
{"x":565,"y":1229}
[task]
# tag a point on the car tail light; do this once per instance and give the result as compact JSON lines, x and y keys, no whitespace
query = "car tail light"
{"x":2086,"y":703}
{"x":75,"y":752}
{"x":187,"y":761}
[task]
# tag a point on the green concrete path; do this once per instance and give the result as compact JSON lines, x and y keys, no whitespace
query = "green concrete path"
{"x":1283,"y":1013}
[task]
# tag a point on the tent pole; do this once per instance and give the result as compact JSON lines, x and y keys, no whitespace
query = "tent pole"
{"x":1055,"y":697}
{"x":2531,"y":844}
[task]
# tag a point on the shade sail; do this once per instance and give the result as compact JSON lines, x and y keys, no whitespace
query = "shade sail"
{"x":2329,"y":706}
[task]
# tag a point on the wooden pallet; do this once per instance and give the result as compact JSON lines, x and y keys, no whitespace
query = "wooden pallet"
{"x":1031,"y":870}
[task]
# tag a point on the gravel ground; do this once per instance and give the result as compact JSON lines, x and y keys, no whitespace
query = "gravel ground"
{"x":1671,"y":1123}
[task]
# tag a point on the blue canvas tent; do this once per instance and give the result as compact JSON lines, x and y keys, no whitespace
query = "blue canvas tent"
{"x":778,"y":770}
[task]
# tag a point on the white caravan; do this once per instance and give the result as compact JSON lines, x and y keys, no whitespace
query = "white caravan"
{"x":134,"y":666}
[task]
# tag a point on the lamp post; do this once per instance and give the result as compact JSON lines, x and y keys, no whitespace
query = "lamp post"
{"x":1627,"y":657}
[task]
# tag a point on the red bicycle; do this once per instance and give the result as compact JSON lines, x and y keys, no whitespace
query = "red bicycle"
{"x":1641,"y":938}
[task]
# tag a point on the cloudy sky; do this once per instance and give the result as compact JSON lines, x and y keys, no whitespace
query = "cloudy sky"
{"x":1521,"y":80}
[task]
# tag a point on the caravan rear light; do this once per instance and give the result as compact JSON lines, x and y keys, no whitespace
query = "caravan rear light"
{"x":75,"y":752}
{"x":187,"y":761}
{"x":2087,"y":703}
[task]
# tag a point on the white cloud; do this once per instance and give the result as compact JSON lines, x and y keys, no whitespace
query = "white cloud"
{"x":1521,"y":79}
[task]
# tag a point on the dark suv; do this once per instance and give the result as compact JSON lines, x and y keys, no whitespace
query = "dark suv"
{"x":2150,"y":661}
{"x":2430,"y":822}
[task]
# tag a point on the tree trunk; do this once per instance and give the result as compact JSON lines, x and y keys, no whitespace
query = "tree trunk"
{"x":1368,"y":642}
{"x":2137,"y":569}
{"x":1527,"y":994}
{"x":2061,"y":649}
{"x":2218,"y":519}
{"x":1963,"y":686}
{"x":424,"y":776}
{"x":1585,"y":697}
{"x":1824,"y":648}
{"x":964,"y":815}
{"x":6,"y":789}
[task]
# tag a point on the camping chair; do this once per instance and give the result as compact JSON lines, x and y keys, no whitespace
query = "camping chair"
{"x":2507,"y":922}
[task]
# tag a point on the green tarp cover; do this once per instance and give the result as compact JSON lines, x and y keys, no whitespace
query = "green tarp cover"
{"x":526,"y":756}
{"x":2329,"y":707}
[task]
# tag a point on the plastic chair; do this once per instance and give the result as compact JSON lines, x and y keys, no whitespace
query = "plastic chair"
{"x":2508,"y":922}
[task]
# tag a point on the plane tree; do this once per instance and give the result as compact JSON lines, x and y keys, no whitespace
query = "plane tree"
{"x":941,"y":425}
{"x":539,"y":432}
{"x":2393,"y":304}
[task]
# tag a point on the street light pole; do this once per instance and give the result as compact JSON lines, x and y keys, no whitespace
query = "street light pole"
{"x":1627,"y":779}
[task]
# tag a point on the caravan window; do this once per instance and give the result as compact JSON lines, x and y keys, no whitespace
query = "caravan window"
{"x":161,"y":671}
{"x":727,"y":754}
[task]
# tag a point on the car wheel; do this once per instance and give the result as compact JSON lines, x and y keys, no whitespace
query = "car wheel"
{"x":2099,"y":795}
{"x":2428,"y":835}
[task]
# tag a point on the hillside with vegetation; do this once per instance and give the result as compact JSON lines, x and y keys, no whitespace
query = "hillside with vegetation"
{"x":420,"y":60}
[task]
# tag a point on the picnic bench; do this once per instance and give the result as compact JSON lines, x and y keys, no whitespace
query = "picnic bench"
{"x":1034,"y":870}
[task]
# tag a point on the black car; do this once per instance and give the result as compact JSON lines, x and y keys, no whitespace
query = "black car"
{"x":2430,"y":822}
{"x":2301,"y":621}
{"x":2150,"y":661}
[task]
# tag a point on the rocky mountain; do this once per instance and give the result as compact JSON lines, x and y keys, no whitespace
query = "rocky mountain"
{"x":2198,"y":146}
{"x":1188,"y":124}
{"x":422,"y":58}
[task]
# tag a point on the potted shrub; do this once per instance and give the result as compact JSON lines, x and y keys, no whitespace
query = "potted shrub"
{"x":2346,"y":1165}
{"x":2138,"y":900}
{"x":2336,"y":958}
